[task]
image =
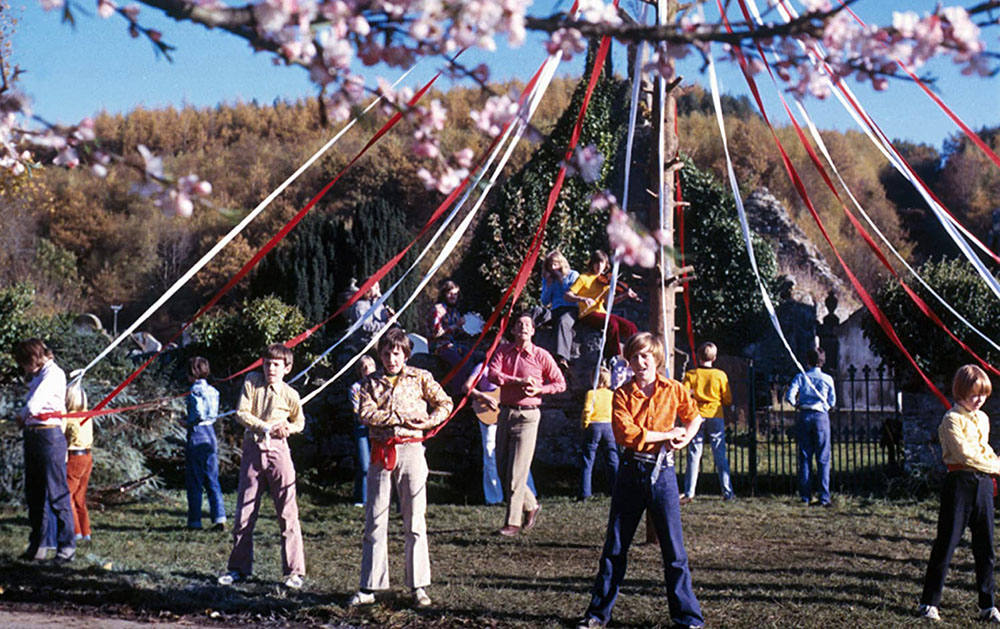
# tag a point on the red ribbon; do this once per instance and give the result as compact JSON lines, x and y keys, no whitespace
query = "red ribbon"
{"x":513,"y":292}
{"x":793,"y":174}
{"x":269,"y":246}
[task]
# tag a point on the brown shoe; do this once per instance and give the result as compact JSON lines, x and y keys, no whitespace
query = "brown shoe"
{"x":531,"y":518}
{"x":510,"y":530}
{"x":686,"y":499}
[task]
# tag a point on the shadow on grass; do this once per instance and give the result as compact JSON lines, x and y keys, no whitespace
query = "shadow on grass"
{"x":90,"y":586}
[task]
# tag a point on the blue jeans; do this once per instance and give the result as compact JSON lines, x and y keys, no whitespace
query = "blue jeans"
{"x":593,"y":437}
{"x":46,"y":490}
{"x":202,"y":472}
{"x":364,"y":454}
{"x":715,"y":429}
{"x":635,"y":493}
{"x":813,"y":433}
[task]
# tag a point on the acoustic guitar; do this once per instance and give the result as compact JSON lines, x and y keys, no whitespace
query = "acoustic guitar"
{"x":483,"y":411}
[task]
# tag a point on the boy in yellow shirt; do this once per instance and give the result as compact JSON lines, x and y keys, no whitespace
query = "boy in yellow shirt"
{"x":710,"y":389}
{"x":597,"y":431}
{"x":967,"y":493}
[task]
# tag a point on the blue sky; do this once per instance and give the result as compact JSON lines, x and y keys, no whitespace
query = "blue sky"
{"x":71,"y":73}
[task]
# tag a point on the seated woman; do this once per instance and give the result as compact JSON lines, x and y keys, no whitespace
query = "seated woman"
{"x":590,"y":292}
{"x":557,"y":279}
{"x":445,"y":332}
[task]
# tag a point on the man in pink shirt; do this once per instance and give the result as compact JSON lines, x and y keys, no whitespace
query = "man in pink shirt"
{"x":524,"y":373}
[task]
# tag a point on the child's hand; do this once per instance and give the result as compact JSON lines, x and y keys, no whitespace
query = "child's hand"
{"x":280,"y":430}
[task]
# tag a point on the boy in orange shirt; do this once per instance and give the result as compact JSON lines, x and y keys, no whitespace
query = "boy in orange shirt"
{"x":710,"y":389}
{"x":652,"y":416}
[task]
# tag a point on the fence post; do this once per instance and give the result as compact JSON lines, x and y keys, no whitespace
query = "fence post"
{"x":752,"y":429}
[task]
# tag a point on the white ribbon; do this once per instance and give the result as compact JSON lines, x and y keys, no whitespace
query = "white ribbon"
{"x":235,"y":231}
{"x":456,"y":237}
{"x":841,"y":91}
{"x":744,"y":224}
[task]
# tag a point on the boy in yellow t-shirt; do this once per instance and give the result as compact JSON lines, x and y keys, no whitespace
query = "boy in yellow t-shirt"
{"x":597,"y":432}
{"x":710,"y":389}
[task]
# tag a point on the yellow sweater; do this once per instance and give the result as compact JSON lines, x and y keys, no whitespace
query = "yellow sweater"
{"x":597,"y":407}
{"x":710,"y":390}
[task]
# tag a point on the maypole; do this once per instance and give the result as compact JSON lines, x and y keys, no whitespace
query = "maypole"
{"x":662,"y":168}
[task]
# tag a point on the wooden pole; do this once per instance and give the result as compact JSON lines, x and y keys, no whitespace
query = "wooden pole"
{"x":662,"y":300}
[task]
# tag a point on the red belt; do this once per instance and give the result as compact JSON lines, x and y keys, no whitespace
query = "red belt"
{"x":385,"y":454}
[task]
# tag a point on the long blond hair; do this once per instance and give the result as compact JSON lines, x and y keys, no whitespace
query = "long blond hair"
{"x":561,"y":263}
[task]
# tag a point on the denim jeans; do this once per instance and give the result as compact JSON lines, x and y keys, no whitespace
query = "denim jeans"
{"x":635,"y":493}
{"x":813,"y":433}
{"x":46,"y":490}
{"x":201,"y":472}
{"x":714,"y":428}
{"x":593,"y":437}
{"x":364,"y":454}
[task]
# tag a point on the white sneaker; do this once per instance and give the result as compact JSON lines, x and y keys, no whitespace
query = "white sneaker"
{"x":930,"y":612}
{"x":420,"y":597}
{"x":294,"y":582}
{"x":230,"y":578}
{"x":362,"y":598}
{"x":989,"y":615}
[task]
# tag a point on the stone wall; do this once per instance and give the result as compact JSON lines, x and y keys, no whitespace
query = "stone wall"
{"x":922,"y":413}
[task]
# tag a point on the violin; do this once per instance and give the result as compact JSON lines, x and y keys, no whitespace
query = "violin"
{"x":622,"y":292}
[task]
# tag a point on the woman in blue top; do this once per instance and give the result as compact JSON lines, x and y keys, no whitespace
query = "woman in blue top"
{"x":557,"y":278}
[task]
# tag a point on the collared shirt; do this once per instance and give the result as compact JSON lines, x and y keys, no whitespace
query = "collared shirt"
{"x":46,"y":394}
{"x":587,"y":285}
{"x":634,"y":414}
{"x":202,"y":404}
{"x":710,"y":390}
{"x":821,"y":396}
{"x":530,"y":362}
{"x":965,"y":440}
{"x":263,"y":406}
{"x":554,"y":293}
{"x":402,"y":406}
{"x":597,"y":407}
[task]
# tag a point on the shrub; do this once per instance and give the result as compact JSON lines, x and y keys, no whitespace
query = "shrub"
{"x":936,"y":353}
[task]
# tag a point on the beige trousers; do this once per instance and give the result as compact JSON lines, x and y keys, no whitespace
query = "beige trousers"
{"x":267,"y":470}
{"x":410,"y":479}
{"x":517,"y":431}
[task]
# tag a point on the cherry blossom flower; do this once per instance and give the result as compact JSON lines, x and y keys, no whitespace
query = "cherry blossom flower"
{"x":497,"y":112}
{"x":444,"y":180}
{"x":587,"y":162}
{"x":67,"y":157}
{"x":49,"y":5}
{"x":106,"y":8}
{"x":463,"y":158}
{"x":631,"y":242}
{"x":602,"y":201}
{"x":567,"y":41}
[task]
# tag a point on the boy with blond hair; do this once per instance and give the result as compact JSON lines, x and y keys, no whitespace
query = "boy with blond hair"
{"x":710,"y":389}
{"x":270,"y":411}
{"x":967,"y":493}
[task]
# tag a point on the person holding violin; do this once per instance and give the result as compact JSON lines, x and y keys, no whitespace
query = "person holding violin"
{"x":590,"y":291}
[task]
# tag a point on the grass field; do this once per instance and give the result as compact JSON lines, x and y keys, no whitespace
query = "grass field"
{"x":761,"y":562}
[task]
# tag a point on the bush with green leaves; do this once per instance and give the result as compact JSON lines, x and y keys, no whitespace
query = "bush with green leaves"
{"x":726,"y":306}
{"x":234,"y":339}
{"x":502,"y":238}
{"x":936,"y":353}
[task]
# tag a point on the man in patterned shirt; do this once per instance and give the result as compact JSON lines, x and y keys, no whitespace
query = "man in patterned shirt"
{"x":398,"y":402}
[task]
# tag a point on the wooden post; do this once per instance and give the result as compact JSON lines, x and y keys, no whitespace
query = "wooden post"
{"x":663,"y":299}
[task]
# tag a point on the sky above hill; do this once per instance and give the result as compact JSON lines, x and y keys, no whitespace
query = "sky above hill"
{"x":71,"y":72}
